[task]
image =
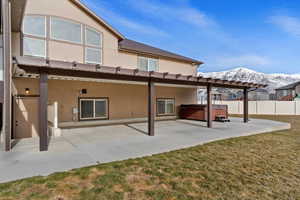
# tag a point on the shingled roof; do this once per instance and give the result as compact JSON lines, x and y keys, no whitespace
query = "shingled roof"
{"x":137,"y":47}
{"x":290,"y":86}
{"x":133,"y":46}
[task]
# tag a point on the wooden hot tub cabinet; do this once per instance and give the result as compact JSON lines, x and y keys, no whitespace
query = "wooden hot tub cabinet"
{"x":199,"y":111}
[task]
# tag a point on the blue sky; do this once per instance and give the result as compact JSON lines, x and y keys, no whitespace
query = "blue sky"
{"x":263,"y":35}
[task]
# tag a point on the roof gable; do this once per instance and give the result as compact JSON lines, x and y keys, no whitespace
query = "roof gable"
{"x":100,"y":20}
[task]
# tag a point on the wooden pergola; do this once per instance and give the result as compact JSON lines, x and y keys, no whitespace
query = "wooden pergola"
{"x":45,"y":67}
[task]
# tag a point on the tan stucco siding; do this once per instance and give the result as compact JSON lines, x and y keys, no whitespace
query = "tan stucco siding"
{"x":130,"y":60}
{"x":111,"y":55}
{"x":127,"y":60}
{"x":15,"y":44}
{"x":66,"y":52}
{"x":177,"y":67}
{"x":125,"y":100}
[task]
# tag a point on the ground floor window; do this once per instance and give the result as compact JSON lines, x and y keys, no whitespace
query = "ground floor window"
{"x":165,"y":106}
{"x":93,"y":108}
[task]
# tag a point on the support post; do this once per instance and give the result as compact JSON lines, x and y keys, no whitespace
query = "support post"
{"x":151,"y":107}
{"x":246,"y":107}
{"x":7,"y":122}
{"x":43,"y":104}
{"x":209,"y":106}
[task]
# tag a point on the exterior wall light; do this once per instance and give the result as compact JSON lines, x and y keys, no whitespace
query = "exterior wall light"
{"x":27,"y":91}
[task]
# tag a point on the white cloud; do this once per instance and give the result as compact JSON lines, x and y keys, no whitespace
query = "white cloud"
{"x":177,"y":12}
{"x":140,"y":27}
{"x":288,"y":24}
{"x":115,"y":18}
{"x":244,"y":60}
{"x":182,"y":15}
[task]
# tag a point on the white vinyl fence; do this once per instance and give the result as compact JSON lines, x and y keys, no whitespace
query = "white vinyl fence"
{"x":264,"y":107}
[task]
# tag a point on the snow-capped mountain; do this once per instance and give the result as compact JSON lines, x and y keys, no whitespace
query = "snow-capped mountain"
{"x":244,"y":74}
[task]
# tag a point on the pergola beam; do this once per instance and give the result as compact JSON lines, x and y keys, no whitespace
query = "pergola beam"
{"x":105,"y":72}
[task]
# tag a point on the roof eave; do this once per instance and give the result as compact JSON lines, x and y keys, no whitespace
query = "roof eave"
{"x":195,"y":62}
{"x":97,"y":18}
{"x":17,"y":14}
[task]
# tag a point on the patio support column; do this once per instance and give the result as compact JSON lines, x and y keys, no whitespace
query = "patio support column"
{"x":151,"y":107}
{"x":43,"y":118}
{"x":246,"y":107}
{"x":7,"y":117}
{"x":209,"y":106}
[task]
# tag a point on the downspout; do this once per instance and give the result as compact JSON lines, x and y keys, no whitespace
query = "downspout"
{"x":1,"y":78}
{"x":6,"y":20}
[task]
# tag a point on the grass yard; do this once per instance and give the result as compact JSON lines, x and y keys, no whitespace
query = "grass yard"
{"x":265,"y":166}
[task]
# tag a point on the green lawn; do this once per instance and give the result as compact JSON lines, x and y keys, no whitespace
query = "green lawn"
{"x":265,"y":166}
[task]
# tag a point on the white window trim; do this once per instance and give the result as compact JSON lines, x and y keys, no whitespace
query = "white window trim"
{"x":148,"y":62}
{"x":88,"y":46}
{"x":92,"y":62}
{"x":39,"y":56}
{"x":94,"y":106}
{"x":101,"y":37}
{"x":35,"y":35}
{"x":165,"y":108}
{"x":66,"y":20}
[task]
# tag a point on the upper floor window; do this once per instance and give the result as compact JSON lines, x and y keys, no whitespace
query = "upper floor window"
{"x":147,"y":64}
{"x":37,"y":33}
{"x":35,"y":26}
{"x":34,"y":47}
{"x":93,"y":49}
{"x":65,"y":30}
{"x":34,"y":41}
{"x":93,"y":56}
{"x":93,"y":38}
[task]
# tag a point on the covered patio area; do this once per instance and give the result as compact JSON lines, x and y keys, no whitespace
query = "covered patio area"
{"x":80,"y":147}
{"x":45,"y":68}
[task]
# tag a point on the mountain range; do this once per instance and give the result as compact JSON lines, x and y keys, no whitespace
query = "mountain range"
{"x":247,"y":75}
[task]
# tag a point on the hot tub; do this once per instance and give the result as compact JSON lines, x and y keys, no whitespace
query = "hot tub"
{"x":199,"y":111}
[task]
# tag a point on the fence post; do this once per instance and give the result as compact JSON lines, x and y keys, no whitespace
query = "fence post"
{"x":256,"y":107}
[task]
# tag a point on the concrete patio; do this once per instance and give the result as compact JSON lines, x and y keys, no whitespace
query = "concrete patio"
{"x":89,"y":146}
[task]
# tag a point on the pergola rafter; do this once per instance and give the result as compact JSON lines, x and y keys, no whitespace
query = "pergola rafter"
{"x":45,"y":67}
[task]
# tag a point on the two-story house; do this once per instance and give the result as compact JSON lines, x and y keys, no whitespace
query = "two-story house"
{"x":63,"y":52}
{"x":289,"y":92}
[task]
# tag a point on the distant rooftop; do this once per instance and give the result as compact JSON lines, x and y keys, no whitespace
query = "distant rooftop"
{"x":290,"y":86}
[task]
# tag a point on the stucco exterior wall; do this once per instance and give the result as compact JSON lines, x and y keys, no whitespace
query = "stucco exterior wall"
{"x":177,"y":67}
{"x":125,"y":100}
{"x":15,"y":44}
{"x":66,"y":52}
{"x":112,"y":56}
